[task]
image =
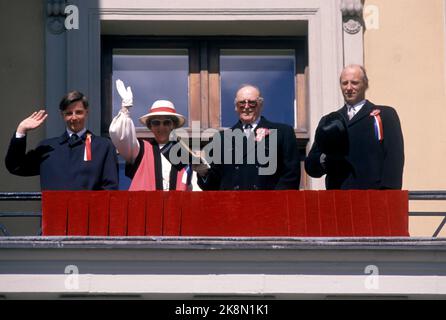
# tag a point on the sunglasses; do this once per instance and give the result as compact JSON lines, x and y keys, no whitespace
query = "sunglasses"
{"x":251,"y":103}
{"x":156,"y":122}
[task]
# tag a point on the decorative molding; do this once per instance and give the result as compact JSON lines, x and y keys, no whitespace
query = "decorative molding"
{"x":352,"y":15}
{"x":55,"y":11}
{"x":208,"y":12}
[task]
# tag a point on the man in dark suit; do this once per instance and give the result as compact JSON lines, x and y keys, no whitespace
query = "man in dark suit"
{"x":77,"y":160}
{"x":360,"y":146}
{"x":255,"y":154}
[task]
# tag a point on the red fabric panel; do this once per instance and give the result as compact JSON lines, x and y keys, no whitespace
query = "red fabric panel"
{"x":208,"y":214}
{"x":78,"y":213}
{"x":380,"y":213}
{"x":136,"y":214}
{"x":343,"y":208}
{"x":173,"y":203}
{"x":296,"y":212}
{"x":54,"y":213}
{"x":240,"y":213}
{"x":398,"y":202}
{"x":154,"y":213}
{"x":361,"y":218}
{"x":312,"y":214}
{"x":266,"y":216}
{"x":99,"y":202}
{"x":118,"y":213}
{"x":327,"y":213}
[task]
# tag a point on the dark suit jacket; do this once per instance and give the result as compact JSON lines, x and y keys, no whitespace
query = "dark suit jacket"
{"x":242,"y":173}
{"x":368,"y":162}
{"x":62,"y":167}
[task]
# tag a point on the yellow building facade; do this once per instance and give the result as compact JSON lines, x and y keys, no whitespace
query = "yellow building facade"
{"x":403,"y":50}
{"x":404,"y":53}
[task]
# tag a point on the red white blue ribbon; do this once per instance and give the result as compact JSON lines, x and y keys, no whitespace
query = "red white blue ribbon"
{"x":378,"y":124}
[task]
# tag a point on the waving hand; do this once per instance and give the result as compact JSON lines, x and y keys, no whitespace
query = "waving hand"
{"x":34,"y":121}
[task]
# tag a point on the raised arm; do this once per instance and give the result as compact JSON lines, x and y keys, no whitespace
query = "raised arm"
{"x":17,"y":161}
{"x":35,"y":120}
{"x":122,"y":130}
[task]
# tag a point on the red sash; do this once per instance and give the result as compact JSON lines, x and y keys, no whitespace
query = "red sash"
{"x":145,"y":178}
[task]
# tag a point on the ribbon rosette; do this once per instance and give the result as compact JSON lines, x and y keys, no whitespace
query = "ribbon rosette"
{"x":375,"y":112}
{"x":261,"y":133}
{"x":378,"y":124}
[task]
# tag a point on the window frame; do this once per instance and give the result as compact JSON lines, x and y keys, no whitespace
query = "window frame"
{"x":204,"y":78}
{"x":204,"y":73}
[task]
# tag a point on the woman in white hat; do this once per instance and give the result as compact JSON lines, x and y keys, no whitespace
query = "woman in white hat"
{"x":145,"y":165}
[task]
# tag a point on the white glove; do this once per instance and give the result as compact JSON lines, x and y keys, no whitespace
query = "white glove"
{"x":126,"y":94}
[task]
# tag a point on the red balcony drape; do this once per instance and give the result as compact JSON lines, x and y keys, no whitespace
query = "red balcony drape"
{"x":353,"y":213}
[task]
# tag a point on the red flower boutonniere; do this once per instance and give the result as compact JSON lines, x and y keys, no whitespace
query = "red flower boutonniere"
{"x":261,"y":133}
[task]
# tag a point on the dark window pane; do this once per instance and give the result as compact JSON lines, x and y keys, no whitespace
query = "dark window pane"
{"x":152,"y":75}
{"x":271,"y":70}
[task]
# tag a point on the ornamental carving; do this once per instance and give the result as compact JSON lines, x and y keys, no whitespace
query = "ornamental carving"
{"x":352,"y":11}
{"x":55,"y":11}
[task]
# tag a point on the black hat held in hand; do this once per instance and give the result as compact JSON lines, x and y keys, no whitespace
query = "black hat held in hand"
{"x":332,"y":136}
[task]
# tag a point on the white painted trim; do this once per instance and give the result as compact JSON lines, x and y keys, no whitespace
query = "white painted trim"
{"x":225,"y":284}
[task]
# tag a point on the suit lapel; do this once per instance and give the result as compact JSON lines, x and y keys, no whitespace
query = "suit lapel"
{"x":364,"y":112}
{"x":63,"y":138}
{"x":251,"y":147}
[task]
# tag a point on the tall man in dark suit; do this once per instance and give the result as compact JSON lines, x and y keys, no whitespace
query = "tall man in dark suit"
{"x":76,"y":160}
{"x":255,"y":154}
{"x":360,"y":146}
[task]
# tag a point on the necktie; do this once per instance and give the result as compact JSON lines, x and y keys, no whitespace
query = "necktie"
{"x":74,"y":139}
{"x":351,"y":112}
{"x":247,"y":129}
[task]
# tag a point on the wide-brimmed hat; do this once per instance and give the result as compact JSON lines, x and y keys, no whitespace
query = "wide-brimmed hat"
{"x":162,"y":108}
{"x":332,"y":135}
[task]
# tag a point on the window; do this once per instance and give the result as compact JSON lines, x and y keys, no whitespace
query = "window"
{"x":200,"y":75}
{"x":270,"y":70}
{"x":152,"y":74}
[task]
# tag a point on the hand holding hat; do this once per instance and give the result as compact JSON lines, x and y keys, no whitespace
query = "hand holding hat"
{"x":126,"y":94}
{"x":332,"y":135}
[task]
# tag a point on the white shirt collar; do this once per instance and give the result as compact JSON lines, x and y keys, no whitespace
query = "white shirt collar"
{"x":253,"y":124}
{"x":79,"y":134}
{"x":357,"y":106}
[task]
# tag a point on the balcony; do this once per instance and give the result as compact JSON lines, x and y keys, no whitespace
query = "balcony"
{"x":224,"y":267}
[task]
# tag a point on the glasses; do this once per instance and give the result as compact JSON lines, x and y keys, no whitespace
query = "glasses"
{"x":251,"y":103}
{"x":156,"y":122}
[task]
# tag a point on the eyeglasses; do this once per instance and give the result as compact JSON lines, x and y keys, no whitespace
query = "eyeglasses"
{"x":156,"y":122}
{"x":251,"y":103}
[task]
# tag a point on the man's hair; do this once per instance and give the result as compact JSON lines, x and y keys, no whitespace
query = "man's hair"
{"x":71,"y":97}
{"x":252,"y":86}
{"x":365,"y":78}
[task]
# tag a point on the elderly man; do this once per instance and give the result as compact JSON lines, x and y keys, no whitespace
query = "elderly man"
{"x":148,"y":168}
{"x":77,"y":160}
{"x":255,"y":154}
{"x":360,"y":146}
